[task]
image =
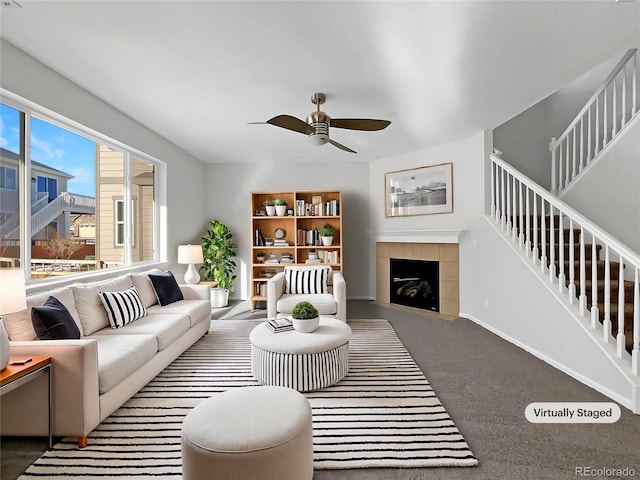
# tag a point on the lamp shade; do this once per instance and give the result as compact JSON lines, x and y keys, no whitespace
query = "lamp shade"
{"x":190,"y":254}
{"x":13,"y":296}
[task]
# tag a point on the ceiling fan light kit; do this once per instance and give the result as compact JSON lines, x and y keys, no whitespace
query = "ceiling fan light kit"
{"x":317,"y":125}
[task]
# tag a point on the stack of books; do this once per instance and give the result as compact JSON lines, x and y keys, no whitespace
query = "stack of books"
{"x":280,"y":243}
{"x":278,"y":325}
{"x":286,"y":257}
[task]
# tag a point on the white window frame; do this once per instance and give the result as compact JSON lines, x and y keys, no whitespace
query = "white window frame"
{"x":33,"y":110}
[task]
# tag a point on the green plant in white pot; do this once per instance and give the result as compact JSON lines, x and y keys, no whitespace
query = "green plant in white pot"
{"x":305,"y":317}
{"x":219,"y":251}
{"x":269,"y":206}
{"x":326,"y":233}
{"x":281,"y":207}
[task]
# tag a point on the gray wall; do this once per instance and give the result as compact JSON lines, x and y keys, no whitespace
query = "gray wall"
{"x":228,"y":191}
{"x":525,"y":138}
{"x":608,"y":192}
{"x":30,"y":79}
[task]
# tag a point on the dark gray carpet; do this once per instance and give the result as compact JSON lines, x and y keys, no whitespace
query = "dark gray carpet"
{"x":485,"y":383}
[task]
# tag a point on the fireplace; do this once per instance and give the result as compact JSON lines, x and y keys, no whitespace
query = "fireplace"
{"x":415,"y":283}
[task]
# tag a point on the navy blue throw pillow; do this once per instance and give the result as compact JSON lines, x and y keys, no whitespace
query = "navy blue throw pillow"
{"x":52,"y":321}
{"x":166,"y":287}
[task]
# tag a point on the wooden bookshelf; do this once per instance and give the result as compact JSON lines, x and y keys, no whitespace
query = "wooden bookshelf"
{"x":297,"y":230}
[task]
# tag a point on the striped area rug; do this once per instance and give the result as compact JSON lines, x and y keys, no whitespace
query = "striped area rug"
{"x":383,"y":413}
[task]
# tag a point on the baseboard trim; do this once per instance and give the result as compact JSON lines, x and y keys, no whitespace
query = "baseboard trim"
{"x":626,"y":402}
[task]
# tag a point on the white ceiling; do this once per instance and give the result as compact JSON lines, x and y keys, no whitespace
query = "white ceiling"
{"x":197,"y":71}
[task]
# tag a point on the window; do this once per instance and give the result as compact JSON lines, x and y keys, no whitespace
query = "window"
{"x":80,"y":185}
{"x":119,"y":226}
{"x":8,"y":178}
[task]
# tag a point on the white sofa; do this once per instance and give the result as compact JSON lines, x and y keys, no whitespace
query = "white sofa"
{"x":94,"y":375}
{"x":333,"y":303}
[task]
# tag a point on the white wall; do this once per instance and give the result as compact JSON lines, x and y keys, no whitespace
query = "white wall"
{"x":228,"y":199}
{"x":612,"y":184}
{"x":30,"y":79}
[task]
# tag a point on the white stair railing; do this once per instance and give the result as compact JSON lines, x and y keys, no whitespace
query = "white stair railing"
{"x":604,"y":116}
{"x":554,"y":238}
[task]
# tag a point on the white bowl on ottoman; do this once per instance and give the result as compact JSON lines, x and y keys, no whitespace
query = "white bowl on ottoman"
{"x":261,"y":433}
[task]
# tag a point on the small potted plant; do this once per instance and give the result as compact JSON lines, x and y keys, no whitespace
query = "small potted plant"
{"x":281,"y":207}
{"x":269,"y":206}
{"x":326,"y":234}
{"x":305,"y":317}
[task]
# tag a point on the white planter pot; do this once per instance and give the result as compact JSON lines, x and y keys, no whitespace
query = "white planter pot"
{"x":271,"y":210}
{"x":219,"y":297}
{"x":305,"y":326}
{"x":327,"y":241}
{"x":281,"y":210}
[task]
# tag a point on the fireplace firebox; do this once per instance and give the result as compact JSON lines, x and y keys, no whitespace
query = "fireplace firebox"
{"x":415,"y":283}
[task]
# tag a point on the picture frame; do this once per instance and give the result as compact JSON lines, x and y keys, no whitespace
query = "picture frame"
{"x":419,"y":191}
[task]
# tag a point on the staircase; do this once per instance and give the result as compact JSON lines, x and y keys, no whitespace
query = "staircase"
{"x":594,"y":275}
{"x":563,"y":249}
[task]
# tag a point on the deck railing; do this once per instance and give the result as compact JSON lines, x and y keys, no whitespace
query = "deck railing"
{"x":554,"y":238}
{"x":604,"y":116}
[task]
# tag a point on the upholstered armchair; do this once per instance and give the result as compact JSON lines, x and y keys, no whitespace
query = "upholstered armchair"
{"x":322,"y":286}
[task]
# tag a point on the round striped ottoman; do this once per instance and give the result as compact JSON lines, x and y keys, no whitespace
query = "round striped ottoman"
{"x":302,"y":361}
{"x":249,"y":433}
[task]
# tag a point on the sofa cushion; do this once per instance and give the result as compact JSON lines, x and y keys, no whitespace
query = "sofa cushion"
{"x":306,"y":280}
{"x":325,"y":303}
{"x":144,"y":286}
{"x":196,"y":310}
{"x":122,"y":307}
{"x":19,"y":325}
{"x":52,"y":321}
{"x":167,"y":328}
{"x":92,"y":313}
{"x":119,"y":356}
{"x":166,"y":288}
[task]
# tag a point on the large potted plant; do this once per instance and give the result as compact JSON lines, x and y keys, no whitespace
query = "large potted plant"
{"x":305,"y":317}
{"x":219,"y":250}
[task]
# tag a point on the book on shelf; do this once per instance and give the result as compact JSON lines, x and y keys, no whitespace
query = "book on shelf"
{"x":258,"y":239}
{"x":280,"y":243}
{"x":313,"y":260}
{"x":277,"y":325}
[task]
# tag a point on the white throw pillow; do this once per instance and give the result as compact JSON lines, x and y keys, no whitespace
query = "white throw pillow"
{"x":306,"y":280}
{"x":123,"y":307}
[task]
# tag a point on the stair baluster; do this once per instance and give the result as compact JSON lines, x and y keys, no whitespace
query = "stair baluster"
{"x":583,"y":275}
{"x":572,"y":264}
{"x":595,"y":311}
{"x":606,"y":324}
{"x":635,"y":353}
{"x":620,"y":338}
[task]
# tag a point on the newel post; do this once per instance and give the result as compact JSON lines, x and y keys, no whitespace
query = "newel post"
{"x":554,"y":167}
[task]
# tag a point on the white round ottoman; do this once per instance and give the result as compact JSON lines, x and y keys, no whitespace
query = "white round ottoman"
{"x":302,"y":361}
{"x":261,"y":433}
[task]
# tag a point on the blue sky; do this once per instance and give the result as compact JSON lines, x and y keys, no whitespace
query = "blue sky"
{"x":55,"y":147}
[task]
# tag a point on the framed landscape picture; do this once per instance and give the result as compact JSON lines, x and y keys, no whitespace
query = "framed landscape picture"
{"x":419,"y":191}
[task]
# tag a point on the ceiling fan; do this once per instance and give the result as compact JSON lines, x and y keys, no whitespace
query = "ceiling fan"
{"x":317,"y":125}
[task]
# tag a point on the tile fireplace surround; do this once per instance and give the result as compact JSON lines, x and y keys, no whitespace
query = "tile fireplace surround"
{"x":445,"y":253}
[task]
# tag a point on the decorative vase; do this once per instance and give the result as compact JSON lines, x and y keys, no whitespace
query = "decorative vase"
{"x":327,"y":241}
{"x":4,"y":347}
{"x":281,"y":210}
{"x":306,"y":325}
{"x":271,"y":210}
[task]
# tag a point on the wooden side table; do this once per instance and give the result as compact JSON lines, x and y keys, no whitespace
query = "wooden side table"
{"x":17,"y":374}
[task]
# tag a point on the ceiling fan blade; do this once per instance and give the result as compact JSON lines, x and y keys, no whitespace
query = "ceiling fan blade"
{"x":360,"y":123}
{"x":291,"y":123}
{"x":341,"y":147}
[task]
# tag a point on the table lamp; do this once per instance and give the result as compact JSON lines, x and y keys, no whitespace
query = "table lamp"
{"x":190,"y":254}
{"x":13,"y":299}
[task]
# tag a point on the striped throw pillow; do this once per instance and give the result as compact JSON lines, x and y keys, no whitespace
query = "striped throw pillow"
{"x":306,"y":281}
{"x":123,"y":307}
